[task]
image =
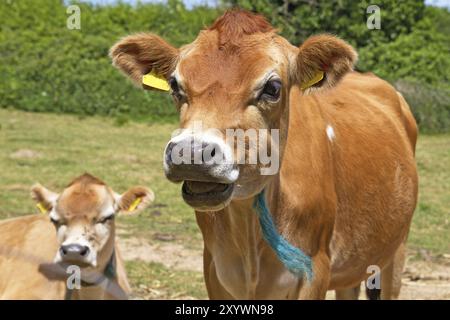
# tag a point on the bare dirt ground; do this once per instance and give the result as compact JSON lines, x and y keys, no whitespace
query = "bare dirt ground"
{"x":170,"y":255}
{"x":422,"y":280}
{"x":426,"y":280}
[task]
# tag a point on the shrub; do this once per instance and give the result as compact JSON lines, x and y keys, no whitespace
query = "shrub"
{"x":46,"y":67}
{"x":430,"y":105}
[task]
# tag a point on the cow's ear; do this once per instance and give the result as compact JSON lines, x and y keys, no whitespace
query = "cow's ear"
{"x":322,"y":61}
{"x":134,"y":200}
{"x":45,"y":199}
{"x":142,"y":53}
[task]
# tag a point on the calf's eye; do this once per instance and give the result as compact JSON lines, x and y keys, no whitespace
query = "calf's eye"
{"x":55,"y":221}
{"x":106,"y":219}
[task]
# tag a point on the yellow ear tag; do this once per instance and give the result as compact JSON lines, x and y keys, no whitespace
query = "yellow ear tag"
{"x":134,"y":204}
{"x":41,"y":208}
{"x":318,"y":77}
{"x":155,"y":81}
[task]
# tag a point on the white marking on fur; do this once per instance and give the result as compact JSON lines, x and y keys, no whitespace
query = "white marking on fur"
{"x":225,"y":169}
{"x":330,"y":133}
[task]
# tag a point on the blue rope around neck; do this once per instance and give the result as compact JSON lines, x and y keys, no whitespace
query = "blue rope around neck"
{"x":293,"y":258}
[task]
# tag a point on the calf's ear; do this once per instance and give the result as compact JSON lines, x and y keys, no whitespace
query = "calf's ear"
{"x":134,"y":200}
{"x":322,"y":61}
{"x":137,"y":55}
{"x":45,"y":199}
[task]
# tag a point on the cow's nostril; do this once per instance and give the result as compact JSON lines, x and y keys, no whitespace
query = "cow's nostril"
{"x":209,"y":152}
{"x":84,"y":251}
{"x":169,"y":153}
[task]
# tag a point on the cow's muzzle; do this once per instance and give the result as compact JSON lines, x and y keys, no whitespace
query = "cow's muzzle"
{"x":206,"y":168}
{"x":74,"y":253}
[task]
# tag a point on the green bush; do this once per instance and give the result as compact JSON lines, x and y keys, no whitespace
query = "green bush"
{"x":46,"y":67}
{"x":418,"y":64}
{"x":299,"y":19}
{"x":430,"y":105}
{"x":422,"y":55}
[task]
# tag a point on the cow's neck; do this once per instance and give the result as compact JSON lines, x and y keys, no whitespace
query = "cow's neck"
{"x":232,"y":237}
{"x":234,"y":240}
{"x":95,"y":282}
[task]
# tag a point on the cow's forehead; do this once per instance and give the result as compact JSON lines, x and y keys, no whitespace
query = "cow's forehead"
{"x":83,"y":200}
{"x":206,"y":63}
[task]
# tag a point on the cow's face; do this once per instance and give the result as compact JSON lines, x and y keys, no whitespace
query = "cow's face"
{"x":83,"y":215}
{"x":231,"y":87}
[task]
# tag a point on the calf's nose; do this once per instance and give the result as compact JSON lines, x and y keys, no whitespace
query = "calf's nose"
{"x":74,"y":252}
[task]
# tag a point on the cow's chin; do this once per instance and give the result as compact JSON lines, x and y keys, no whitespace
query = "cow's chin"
{"x":250,"y":184}
{"x":212,"y":196}
{"x":90,"y":262}
{"x":207,"y":196}
{"x":61,"y":270}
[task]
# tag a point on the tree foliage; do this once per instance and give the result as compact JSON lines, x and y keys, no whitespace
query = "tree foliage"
{"x":298,"y":19}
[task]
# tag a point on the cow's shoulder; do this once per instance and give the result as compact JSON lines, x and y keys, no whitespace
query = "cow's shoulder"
{"x":28,"y":234}
{"x":368,"y":89}
{"x":25,"y":243}
{"x":362,"y":101}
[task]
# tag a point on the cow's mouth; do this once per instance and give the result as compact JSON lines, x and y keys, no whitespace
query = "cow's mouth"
{"x":207,"y":196}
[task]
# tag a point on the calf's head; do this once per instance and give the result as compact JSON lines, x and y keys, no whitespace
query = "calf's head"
{"x":232,"y":87}
{"x":83,"y":215}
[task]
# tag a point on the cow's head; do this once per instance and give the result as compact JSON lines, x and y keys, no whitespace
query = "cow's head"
{"x":83,"y":215}
{"x":237,"y":75}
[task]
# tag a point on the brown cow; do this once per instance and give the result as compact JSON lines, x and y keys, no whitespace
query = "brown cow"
{"x":346,"y":190}
{"x":83,"y":216}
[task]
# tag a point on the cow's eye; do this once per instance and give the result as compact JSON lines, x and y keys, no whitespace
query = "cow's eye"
{"x":174,"y":84}
{"x":175,"y":88}
{"x":271,"y":90}
{"x":106,"y":219}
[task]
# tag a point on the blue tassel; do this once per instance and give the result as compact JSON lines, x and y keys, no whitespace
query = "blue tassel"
{"x":294,"y":259}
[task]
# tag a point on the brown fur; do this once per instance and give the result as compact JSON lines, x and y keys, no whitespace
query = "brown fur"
{"x":41,"y":195}
{"x":86,"y":179}
{"x":322,"y":53}
{"x":346,"y":201}
{"x":131,"y":195}
{"x":20,"y":257}
{"x":235,"y":24}
{"x":138,"y":54}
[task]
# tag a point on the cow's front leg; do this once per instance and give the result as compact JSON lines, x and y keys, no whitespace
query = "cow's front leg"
{"x":317,"y":287}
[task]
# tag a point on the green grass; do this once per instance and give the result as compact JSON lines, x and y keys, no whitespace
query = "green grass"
{"x":154,"y":281}
{"x":431,"y":225}
{"x":131,"y":154}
